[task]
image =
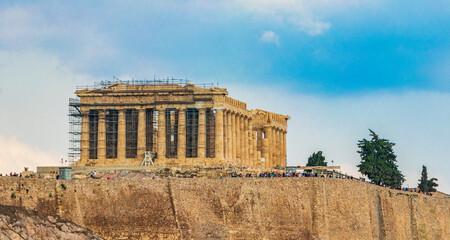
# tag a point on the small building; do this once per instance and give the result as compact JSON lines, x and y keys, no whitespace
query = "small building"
{"x":291,"y":169}
{"x":65,"y":173}
{"x":325,"y":170}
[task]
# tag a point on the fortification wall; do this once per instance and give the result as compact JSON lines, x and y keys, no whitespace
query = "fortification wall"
{"x":235,"y":208}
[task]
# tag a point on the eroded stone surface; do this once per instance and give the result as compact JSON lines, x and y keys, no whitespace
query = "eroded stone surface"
{"x":235,"y":208}
{"x":20,"y":223}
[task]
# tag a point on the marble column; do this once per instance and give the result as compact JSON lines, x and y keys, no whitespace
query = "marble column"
{"x":121,"y":141}
{"x":284,"y":149}
{"x":253,"y":145}
{"x":279,"y":148}
{"x":141,"y":135}
{"x":101,"y":137}
{"x":219,"y":135}
{"x":161,"y":135}
{"x":274,"y":147}
{"x":201,"y":148}
{"x":238,"y":139}
{"x":224,"y":136}
{"x":259,"y":146}
{"x":229,"y":137}
{"x":181,"y":148}
{"x":259,"y":138}
{"x":248,"y":143}
{"x":266,"y":146}
{"x":233,"y":140}
{"x":84,"y":144}
{"x":241,"y":139}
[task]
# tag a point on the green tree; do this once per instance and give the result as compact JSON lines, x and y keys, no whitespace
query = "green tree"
{"x":316,"y":159}
{"x":426,"y":185}
{"x":378,"y":161}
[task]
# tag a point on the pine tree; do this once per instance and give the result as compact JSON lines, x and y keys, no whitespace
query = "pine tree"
{"x":378,"y":161}
{"x":316,"y":159}
{"x":423,"y":181}
{"x":426,"y":185}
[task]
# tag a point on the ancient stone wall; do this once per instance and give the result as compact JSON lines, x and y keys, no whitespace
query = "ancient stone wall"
{"x":235,"y":208}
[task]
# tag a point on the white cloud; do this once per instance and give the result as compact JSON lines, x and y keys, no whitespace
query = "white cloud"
{"x":47,"y":27}
{"x":310,"y":26}
{"x":270,"y":37}
{"x":415,"y":121}
{"x":15,"y":155}
{"x":302,"y":15}
{"x":15,"y":24}
{"x":34,"y":98}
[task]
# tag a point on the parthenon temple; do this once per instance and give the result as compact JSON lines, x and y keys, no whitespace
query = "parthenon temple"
{"x":173,"y":123}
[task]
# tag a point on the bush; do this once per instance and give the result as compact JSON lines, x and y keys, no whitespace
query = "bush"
{"x":13,"y":195}
{"x":63,"y":186}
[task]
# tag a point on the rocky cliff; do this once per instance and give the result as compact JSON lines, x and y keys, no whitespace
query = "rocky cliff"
{"x":234,"y":208}
{"x":20,"y":223}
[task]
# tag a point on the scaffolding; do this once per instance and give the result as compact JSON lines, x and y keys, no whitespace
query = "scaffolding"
{"x":171,"y":132}
{"x":75,"y":120}
{"x":112,"y":130}
{"x":191,"y":132}
{"x":210,"y":133}
{"x":160,"y":81}
{"x":93,"y":134}
{"x":151,"y":129}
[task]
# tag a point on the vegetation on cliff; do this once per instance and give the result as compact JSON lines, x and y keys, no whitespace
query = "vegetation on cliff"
{"x":378,"y":161}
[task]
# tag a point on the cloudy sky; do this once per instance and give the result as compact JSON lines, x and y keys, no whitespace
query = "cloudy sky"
{"x":336,"y":67}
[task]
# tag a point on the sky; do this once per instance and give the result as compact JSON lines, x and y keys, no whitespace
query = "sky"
{"x":336,"y":67}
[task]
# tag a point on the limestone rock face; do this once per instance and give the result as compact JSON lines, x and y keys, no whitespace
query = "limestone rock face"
{"x":20,"y":223}
{"x":227,"y":208}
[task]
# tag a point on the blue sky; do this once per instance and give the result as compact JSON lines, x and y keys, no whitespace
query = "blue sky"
{"x":337,"y":67}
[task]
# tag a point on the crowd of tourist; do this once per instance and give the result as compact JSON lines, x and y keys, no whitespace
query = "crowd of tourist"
{"x":260,"y":175}
{"x":309,"y":174}
{"x":12,"y":174}
{"x":290,"y":174}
